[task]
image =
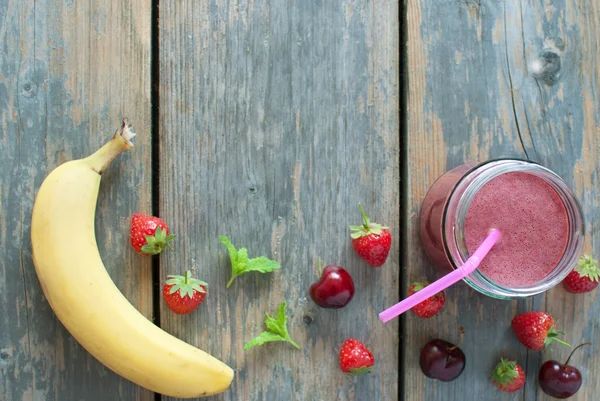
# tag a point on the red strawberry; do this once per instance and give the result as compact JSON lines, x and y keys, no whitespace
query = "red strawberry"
{"x":535,"y":330}
{"x":355,"y":358}
{"x":183,"y":294}
{"x":585,"y":276}
{"x":508,"y":376}
{"x":149,"y":234}
{"x":430,"y":307}
{"x":371,"y":241}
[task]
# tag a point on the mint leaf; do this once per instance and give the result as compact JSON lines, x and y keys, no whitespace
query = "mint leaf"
{"x":240,"y":263}
{"x":262,"y":265}
{"x":276,"y":330}
{"x":262,"y":338}
{"x":282,"y":318}
{"x":279,"y":323}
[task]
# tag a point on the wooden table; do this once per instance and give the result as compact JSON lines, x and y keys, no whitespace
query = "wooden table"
{"x":268,"y":122}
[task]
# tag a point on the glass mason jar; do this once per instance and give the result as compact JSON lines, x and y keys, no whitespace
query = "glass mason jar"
{"x":443,"y":215}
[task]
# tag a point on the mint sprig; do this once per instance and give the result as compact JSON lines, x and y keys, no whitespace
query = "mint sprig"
{"x":240,"y":263}
{"x":276,"y":330}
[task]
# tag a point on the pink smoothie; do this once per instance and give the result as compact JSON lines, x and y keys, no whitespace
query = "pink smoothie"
{"x":534,"y":226}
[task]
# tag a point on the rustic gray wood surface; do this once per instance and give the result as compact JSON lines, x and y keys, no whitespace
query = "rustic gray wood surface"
{"x":68,"y":72}
{"x":485,"y":81}
{"x":276,"y":119}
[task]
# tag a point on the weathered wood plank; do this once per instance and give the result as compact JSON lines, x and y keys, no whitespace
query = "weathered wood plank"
{"x":68,"y":72}
{"x":277,"y":119}
{"x":476,"y":92}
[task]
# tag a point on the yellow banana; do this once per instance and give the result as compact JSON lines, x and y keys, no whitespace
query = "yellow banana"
{"x":86,"y":300}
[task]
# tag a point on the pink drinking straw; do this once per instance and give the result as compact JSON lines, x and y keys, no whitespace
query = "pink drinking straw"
{"x":463,"y":271}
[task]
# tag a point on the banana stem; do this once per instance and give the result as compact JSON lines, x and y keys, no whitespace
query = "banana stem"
{"x":101,"y":159}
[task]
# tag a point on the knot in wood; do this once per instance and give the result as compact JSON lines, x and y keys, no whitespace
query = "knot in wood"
{"x":5,"y":354}
{"x":546,"y":67}
{"x":29,"y":89}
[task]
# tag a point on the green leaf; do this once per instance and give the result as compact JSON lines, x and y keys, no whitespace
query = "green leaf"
{"x":157,"y":243}
{"x":553,"y":336}
{"x":276,"y":330}
{"x":262,"y":338}
{"x":360,"y":371}
{"x":230,"y":248}
{"x":262,"y":265}
{"x":588,"y":267}
{"x":419,"y":285}
{"x":367,"y":227}
{"x":240,"y":263}
{"x":149,"y":250}
{"x":505,"y":372}
{"x":185,"y":285}
{"x":279,"y":323}
{"x":281,"y":316}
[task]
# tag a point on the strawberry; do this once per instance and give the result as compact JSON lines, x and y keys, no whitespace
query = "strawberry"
{"x":183,"y":294}
{"x":508,"y":376}
{"x":431,"y":306}
{"x":585,"y":276}
{"x":355,"y":358}
{"x":149,"y":235}
{"x":371,"y":241}
{"x":535,"y":330}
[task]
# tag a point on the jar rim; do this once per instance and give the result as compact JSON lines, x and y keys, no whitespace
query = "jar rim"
{"x":469,"y":184}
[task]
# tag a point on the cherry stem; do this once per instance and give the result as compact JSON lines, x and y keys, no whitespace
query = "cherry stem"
{"x":366,"y":221}
{"x":320,"y":267}
{"x":462,"y":333}
{"x":569,"y":358}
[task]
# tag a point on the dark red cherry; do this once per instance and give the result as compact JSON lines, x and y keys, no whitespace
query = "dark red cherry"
{"x":560,"y":380}
{"x":334,"y":289}
{"x":442,"y":360}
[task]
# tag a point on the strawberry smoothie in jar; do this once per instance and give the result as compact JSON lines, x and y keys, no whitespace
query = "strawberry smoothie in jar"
{"x":536,"y":212}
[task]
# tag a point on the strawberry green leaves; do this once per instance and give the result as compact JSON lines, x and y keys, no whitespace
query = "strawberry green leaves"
{"x":186,"y":285}
{"x":276,"y":330}
{"x":505,"y":372}
{"x":588,"y":267}
{"x":157,"y":243}
{"x":240,"y":263}
{"x":367,"y":227}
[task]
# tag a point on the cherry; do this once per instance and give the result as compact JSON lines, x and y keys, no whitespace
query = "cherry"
{"x":442,"y":360}
{"x":560,"y":381}
{"x":334,"y":289}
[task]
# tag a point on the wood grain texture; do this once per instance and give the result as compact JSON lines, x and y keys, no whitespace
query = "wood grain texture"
{"x":276,"y":119}
{"x":68,"y":72}
{"x":482,"y":84}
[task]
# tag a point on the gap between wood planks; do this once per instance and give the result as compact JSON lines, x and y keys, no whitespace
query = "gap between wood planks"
{"x":155,"y":158}
{"x":403,"y":162}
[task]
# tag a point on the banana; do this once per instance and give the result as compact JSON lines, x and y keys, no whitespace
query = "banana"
{"x":86,"y":300}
